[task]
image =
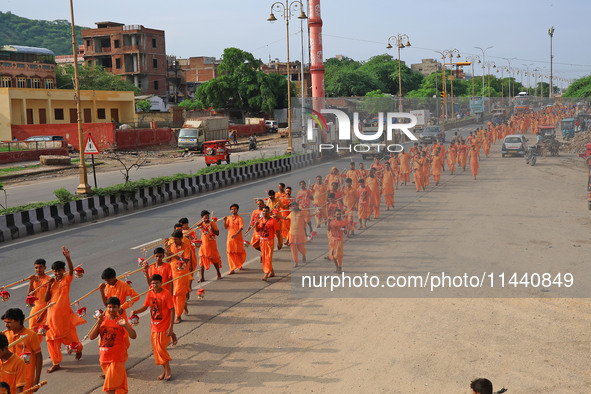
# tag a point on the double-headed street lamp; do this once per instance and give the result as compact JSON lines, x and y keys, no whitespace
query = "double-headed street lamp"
{"x":286,"y":11}
{"x":483,"y":60}
{"x":487,"y":64}
{"x":473,"y":59}
{"x":528,"y":74}
{"x":444,"y":54}
{"x":398,"y":40}
{"x":502,"y":69}
{"x":551,"y":34}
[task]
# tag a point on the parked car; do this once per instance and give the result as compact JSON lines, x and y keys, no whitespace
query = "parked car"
{"x":271,"y":126}
{"x":431,"y":134}
{"x":514,"y":144}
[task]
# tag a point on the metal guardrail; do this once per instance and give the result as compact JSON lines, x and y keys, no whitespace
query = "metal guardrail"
{"x":15,"y":146}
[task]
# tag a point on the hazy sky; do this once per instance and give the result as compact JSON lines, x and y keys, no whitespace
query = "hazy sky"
{"x":517,"y":28}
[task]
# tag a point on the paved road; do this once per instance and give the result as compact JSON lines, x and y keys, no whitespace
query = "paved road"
{"x":113,"y":242}
{"x":42,"y":189}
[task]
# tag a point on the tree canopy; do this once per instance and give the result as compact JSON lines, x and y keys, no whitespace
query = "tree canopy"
{"x":55,"y":35}
{"x":579,"y":88}
{"x":92,"y":78}
{"x":242,"y":85}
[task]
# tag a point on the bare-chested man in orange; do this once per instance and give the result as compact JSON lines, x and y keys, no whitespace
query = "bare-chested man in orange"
{"x":388,"y":186}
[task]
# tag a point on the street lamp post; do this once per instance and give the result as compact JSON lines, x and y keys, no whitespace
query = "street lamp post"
{"x":528,"y":74}
{"x":551,"y":34}
{"x":447,"y":53}
{"x":472,"y":59}
{"x":83,"y":187}
{"x":483,"y":61}
{"x":488,"y":64}
{"x":285,"y":10}
{"x":399,"y":42}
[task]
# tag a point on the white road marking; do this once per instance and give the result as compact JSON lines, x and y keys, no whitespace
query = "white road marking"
{"x":19,"y":286}
{"x":147,"y":243}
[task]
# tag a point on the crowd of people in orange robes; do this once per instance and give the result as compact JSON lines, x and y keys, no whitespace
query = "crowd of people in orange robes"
{"x":342,"y":202}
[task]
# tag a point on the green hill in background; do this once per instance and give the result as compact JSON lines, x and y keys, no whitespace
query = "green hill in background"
{"x":55,"y":35}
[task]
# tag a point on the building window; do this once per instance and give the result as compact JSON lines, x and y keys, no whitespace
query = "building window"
{"x":58,"y":113}
{"x":101,"y":113}
{"x":155,"y":85}
{"x":154,"y":43}
{"x":49,"y":84}
{"x":155,"y":63}
{"x":116,"y":43}
{"x":36,"y":83}
{"x":21,"y":82}
{"x":88,"y":43}
{"x":6,"y":82}
{"x":117,"y":63}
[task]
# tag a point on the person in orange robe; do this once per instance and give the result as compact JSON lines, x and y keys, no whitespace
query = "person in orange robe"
{"x":12,"y":367}
{"x":114,"y":331}
{"x":451,"y":157}
{"x":441,"y":148}
{"x":180,"y":265}
{"x":363,"y":173}
{"x":159,"y":267}
{"x":298,"y":234}
{"x":61,"y":319}
{"x":162,"y":321}
{"x":336,"y":228}
{"x":373,"y":183}
{"x":486,"y":146}
{"x":426,"y":169}
{"x":208,"y":252}
{"x":286,"y":202}
{"x":388,"y":186}
{"x":235,"y":243}
{"x":29,"y":349}
{"x":304,"y":200}
{"x":436,"y":166}
{"x":38,"y":285}
{"x":363,"y":204}
{"x":268,"y":228}
{"x":462,"y":155}
{"x":353,"y":174}
{"x":276,"y":206}
{"x":320,"y":192}
{"x":113,"y":287}
{"x":474,"y":161}
{"x":332,"y":177}
{"x":404,"y":167}
{"x":350,"y":202}
{"x":395,"y":168}
{"x":416,"y":167}
{"x":254,"y":218}
{"x":379,"y":168}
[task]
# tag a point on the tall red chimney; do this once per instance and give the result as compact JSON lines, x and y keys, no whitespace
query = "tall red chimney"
{"x":316,"y":58}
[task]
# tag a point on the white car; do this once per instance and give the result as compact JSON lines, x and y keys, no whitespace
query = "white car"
{"x":514,"y":144}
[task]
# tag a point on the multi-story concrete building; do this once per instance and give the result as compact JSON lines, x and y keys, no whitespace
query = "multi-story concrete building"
{"x":69,"y":59}
{"x":26,"y":67}
{"x":197,"y":70}
{"x":426,"y":66}
{"x":131,"y":51}
{"x":277,"y":67}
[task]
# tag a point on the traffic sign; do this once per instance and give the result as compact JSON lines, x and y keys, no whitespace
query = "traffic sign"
{"x":90,"y":147}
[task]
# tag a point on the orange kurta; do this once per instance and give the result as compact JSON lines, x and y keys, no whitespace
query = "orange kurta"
{"x":30,"y":345}
{"x":363,"y":202}
{"x":208,"y":252}
{"x":404,"y":167}
{"x":179,"y":267}
{"x":388,"y":188}
{"x":61,"y":319}
{"x":160,"y":315}
{"x":376,"y":197}
{"x":297,"y":234}
{"x":41,"y":286}
{"x":267,"y":229}
{"x":235,"y":245}
{"x":12,"y":372}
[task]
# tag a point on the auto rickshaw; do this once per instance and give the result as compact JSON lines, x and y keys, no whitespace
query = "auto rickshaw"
{"x":568,"y":128}
{"x":216,"y":152}
{"x":547,"y":140}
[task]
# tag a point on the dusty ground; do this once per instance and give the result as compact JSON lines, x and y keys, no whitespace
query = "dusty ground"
{"x":154,"y":155}
{"x":513,"y":218}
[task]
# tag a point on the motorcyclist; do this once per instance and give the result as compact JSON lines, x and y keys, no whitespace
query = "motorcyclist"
{"x":252,"y":144}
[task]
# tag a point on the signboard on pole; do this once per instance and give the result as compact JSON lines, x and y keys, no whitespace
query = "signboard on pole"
{"x":90,"y":148}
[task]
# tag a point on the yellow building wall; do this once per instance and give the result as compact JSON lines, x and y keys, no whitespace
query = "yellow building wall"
{"x":14,"y":103}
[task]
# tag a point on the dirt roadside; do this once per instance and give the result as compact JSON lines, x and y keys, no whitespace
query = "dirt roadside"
{"x":513,"y":217}
{"x":155,"y":155}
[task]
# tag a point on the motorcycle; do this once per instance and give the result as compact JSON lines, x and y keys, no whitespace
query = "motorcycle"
{"x":530,"y":155}
{"x":252,"y":145}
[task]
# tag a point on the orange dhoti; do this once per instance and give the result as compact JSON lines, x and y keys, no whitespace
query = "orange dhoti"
{"x":335,"y":251}
{"x":115,"y":377}
{"x":267,"y":245}
{"x":474,"y":165}
{"x":182,"y":286}
{"x":54,"y":345}
{"x":160,"y":342}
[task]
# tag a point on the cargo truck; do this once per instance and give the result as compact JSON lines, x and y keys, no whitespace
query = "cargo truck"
{"x":196,"y":131}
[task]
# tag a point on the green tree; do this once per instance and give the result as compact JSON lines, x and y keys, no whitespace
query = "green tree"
{"x":376,"y":101}
{"x":92,"y":78}
{"x":579,"y":88}
{"x":347,"y":83}
{"x":143,"y":106}
{"x":242,"y":85}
